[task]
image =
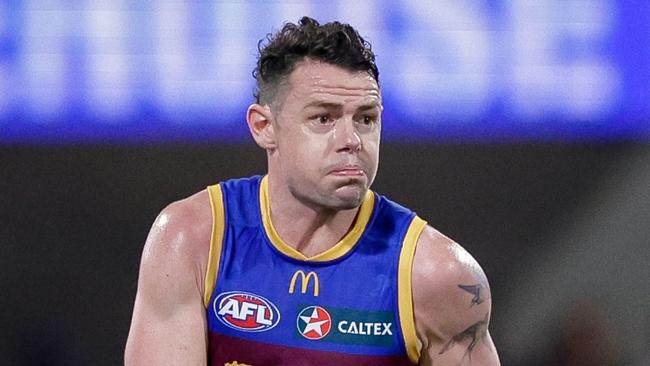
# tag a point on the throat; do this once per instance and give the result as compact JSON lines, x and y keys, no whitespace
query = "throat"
{"x":318,"y":235}
{"x":308,"y":233}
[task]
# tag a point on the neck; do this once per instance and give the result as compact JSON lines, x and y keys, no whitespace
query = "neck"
{"x":308,"y":229}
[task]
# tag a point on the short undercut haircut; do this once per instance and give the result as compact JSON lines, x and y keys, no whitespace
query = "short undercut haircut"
{"x":334,"y":43}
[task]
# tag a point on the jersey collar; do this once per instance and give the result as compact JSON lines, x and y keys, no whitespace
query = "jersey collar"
{"x":338,"y":250}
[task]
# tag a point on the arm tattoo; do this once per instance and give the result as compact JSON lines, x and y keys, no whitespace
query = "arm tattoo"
{"x":474,"y":333}
{"x":479,"y":296}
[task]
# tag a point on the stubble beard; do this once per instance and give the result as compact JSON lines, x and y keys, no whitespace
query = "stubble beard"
{"x":335,"y":200}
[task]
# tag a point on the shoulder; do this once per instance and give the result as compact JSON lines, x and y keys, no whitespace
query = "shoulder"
{"x":183,"y":224}
{"x":179,"y":240}
{"x":442,"y":264}
{"x":450,"y":290}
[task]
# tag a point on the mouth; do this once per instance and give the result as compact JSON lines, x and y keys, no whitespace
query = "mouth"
{"x":348,"y":171}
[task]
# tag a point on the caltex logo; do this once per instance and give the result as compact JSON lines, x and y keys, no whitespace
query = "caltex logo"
{"x":314,"y":322}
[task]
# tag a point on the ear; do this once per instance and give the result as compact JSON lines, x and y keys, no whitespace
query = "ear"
{"x":259,"y":118}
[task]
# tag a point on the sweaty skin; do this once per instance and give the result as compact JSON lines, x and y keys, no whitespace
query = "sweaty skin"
{"x":322,"y":141}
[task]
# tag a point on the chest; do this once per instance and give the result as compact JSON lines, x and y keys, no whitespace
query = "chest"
{"x":263,"y":295}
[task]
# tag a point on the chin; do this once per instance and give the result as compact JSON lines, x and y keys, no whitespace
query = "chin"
{"x":347,"y":205}
{"x":349,"y":197}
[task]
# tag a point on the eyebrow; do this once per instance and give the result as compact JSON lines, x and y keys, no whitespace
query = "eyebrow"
{"x":365,"y":107}
{"x":331,"y":105}
{"x":320,"y":103}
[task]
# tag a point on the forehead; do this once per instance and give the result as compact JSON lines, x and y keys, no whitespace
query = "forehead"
{"x":313,"y":80}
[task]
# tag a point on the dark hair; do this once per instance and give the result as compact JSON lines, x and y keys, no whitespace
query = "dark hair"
{"x":335,"y":43}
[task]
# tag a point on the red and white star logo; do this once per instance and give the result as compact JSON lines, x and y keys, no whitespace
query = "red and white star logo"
{"x":314,"y":322}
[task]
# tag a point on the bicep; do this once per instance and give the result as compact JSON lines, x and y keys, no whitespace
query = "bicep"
{"x":168,"y":325}
{"x":472,"y":347}
{"x":158,"y":337}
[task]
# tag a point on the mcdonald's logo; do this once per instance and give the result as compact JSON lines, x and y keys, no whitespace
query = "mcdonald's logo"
{"x":305,"y":278}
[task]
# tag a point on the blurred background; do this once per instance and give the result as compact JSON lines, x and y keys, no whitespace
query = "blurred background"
{"x":519,"y":128}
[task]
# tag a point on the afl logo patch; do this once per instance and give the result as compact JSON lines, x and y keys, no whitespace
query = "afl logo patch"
{"x":245,"y":311}
{"x":314,"y":322}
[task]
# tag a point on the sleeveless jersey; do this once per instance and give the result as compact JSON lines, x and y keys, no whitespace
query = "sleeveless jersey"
{"x":267,"y":304}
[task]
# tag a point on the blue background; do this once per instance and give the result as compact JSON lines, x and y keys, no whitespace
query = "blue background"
{"x":462,"y":71}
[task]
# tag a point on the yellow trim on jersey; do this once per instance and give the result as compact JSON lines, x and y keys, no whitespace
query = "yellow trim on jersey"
{"x":340,"y":249}
{"x":404,"y":288}
{"x":216,"y":241}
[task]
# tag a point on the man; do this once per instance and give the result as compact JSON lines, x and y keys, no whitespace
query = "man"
{"x":306,"y":265}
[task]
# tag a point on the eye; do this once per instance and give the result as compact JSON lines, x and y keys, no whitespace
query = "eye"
{"x":323,"y":118}
{"x":368,"y":119}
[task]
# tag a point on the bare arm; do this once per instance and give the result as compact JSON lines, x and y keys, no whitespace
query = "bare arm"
{"x":169,"y":324}
{"x":452,"y":304}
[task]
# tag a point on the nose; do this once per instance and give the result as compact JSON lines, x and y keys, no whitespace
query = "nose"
{"x":346,"y":136}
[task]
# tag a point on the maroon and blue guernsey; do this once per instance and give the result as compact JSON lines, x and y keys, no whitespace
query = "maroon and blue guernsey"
{"x":268,"y":304}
